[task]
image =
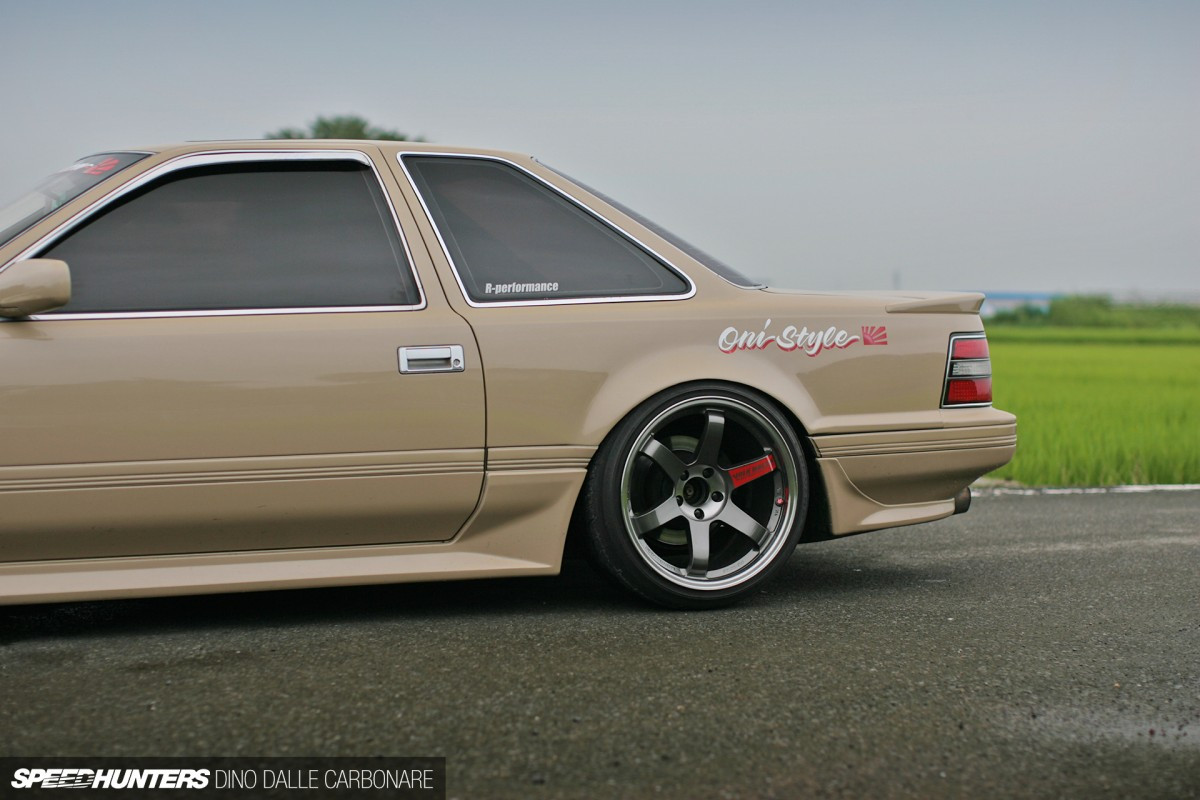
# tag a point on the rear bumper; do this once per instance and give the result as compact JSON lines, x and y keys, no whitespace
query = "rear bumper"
{"x":883,"y":479}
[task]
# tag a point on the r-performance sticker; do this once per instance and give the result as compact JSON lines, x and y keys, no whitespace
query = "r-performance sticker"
{"x":809,"y":342}
{"x":519,"y":288}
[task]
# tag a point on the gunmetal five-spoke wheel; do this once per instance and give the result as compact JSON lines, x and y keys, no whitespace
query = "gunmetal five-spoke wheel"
{"x":703,"y":495}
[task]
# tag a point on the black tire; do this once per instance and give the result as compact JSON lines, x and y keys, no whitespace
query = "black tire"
{"x":697,"y":497}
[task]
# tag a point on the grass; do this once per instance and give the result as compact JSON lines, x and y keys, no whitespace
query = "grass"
{"x":1099,"y":311}
{"x":1099,"y":407}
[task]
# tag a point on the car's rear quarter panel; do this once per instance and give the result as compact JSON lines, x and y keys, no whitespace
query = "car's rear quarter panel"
{"x":876,"y":409}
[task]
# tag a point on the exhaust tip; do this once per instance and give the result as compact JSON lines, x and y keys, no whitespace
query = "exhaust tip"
{"x":962,"y":500}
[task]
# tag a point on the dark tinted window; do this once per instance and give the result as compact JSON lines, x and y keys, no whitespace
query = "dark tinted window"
{"x":716,"y":265}
{"x":266,"y":235}
{"x":513,"y":238}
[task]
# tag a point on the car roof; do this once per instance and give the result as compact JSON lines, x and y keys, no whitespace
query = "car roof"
{"x":390,"y":146}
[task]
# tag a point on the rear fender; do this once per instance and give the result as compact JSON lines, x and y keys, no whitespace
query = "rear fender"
{"x":656,"y":371}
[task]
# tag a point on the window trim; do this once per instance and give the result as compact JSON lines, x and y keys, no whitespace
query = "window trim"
{"x":567,"y":301}
{"x":211,"y":158}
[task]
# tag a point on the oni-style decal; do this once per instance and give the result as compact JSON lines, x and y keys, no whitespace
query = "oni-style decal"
{"x":809,"y":342}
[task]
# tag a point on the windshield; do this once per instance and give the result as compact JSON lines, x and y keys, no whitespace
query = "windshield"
{"x":721,"y":268}
{"x":59,"y":189}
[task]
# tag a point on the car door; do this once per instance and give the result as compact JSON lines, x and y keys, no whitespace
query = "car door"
{"x":255,"y":356}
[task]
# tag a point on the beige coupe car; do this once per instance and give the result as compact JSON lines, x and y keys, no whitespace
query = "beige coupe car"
{"x":256,"y":365}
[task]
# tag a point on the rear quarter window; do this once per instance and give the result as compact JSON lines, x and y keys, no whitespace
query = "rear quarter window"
{"x":513,"y":238}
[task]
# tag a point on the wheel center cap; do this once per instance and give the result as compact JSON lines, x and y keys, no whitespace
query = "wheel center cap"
{"x":695,"y":491}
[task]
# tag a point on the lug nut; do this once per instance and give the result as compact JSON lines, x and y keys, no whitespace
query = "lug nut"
{"x":708,"y":473}
{"x":679,"y":500}
{"x":718,"y":497}
{"x":699,"y":514}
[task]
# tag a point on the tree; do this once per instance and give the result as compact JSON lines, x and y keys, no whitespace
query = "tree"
{"x":346,"y":126}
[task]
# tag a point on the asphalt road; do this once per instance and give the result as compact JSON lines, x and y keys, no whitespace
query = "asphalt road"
{"x":1039,"y":646}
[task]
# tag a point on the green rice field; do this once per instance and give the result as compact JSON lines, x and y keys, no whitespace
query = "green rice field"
{"x":1099,"y":407}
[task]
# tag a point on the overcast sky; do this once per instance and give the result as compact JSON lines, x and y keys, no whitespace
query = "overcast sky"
{"x":1007,"y":146}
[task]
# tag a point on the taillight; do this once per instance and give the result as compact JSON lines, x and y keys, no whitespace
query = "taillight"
{"x":968,"y":371}
{"x":964,"y":347}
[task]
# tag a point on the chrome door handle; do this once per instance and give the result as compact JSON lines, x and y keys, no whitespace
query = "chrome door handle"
{"x":440,"y":358}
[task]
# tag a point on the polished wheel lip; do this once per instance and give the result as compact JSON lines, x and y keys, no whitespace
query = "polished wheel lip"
{"x":771,"y":536}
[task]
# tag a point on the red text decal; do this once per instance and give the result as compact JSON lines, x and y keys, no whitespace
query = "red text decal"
{"x":101,"y":168}
{"x":755,"y":469}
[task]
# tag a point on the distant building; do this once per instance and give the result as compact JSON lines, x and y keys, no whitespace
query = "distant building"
{"x":1010,"y":301}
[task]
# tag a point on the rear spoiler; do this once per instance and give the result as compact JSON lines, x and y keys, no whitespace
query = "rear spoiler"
{"x":939,"y":303}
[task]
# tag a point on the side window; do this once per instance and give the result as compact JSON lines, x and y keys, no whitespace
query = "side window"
{"x":513,"y":238}
{"x":247,"y":236}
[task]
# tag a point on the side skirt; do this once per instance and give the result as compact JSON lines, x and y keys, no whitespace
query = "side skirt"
{"x":519,"y":528}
